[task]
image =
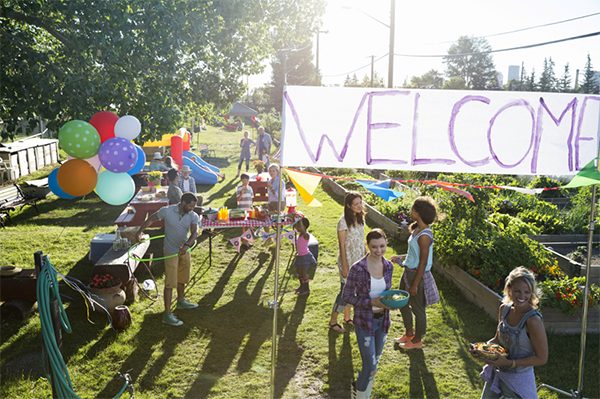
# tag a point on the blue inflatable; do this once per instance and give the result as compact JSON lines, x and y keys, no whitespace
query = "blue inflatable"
{"x":200,"y":173}
{"x":200,"y":161}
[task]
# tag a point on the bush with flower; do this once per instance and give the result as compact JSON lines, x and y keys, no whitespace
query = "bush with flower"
{"x":100,"y":281}
{"x":566,"y":294}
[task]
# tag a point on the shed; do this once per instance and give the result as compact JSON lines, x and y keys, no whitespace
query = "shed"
{"x":240,"y":109}
{"x":28,"y":155}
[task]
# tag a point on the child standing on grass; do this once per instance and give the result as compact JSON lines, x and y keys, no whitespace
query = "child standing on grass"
{"x":304,"y":258}
{"x":265,"y":157}
{"x":244,"y":195}
{"x":417,"y":278}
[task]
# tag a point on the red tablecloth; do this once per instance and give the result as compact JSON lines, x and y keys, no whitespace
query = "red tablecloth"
{"x":207,"y":224}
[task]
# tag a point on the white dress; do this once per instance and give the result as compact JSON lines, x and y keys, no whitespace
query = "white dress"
{"x":354,"y":245}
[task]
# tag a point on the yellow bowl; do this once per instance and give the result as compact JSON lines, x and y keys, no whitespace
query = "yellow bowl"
{"x":145,"y":189}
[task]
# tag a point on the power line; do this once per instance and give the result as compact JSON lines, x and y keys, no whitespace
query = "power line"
{"x":498,"y":51}
{"x":357,"y":69}
{"x":518,"y":30}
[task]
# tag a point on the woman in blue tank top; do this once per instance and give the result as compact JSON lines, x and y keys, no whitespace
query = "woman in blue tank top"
{"x":521,"y":332}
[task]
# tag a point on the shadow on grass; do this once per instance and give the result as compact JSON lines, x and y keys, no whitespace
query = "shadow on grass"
{"x":422,"y":381}
{"x":340,"y":371}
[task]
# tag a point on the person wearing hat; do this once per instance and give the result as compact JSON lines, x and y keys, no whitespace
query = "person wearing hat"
{"x":157,"y":164}
{"x":187,"y":182}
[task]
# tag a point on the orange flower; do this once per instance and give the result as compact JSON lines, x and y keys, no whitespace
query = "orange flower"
{"x":476,"y":271}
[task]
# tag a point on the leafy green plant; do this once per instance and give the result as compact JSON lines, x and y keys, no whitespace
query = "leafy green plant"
{"x":505,"y":221}
{"x":566,"y":294}
{"x":545,"y":216}
{"x":546,"y":182}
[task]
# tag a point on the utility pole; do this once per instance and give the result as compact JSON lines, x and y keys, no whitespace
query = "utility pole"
{"x":318,"y":70}
{"x":576,"y":79}
{"x":392,"y":33}
{"x":372,"y":62}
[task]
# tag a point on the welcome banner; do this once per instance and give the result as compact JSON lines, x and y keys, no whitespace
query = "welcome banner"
{"x":440,"y":130}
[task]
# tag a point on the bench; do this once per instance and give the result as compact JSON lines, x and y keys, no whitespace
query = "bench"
{"x":12,"y":198}
{"x":205,"y":152}
{"x":125,"y":217}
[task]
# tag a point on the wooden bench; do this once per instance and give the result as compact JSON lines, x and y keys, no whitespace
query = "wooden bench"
{"x":12,"y":198}
{"x":126,"y":216}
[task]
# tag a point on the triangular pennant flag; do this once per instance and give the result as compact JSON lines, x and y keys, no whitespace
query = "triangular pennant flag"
{"x":380,"y":189}
{"x":290,"y":235}
{"x":236,"y":243}
{"x":465,"y":194}
{"x":587,"y":176}
{"x":306,"y":183}
{"x":247,"y":236}
{"x":265,"y":236}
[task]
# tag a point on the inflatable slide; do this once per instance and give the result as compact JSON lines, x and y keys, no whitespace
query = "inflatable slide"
{"x":202,"y":172}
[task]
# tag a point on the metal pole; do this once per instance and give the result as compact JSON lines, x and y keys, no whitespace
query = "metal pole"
{"x":586,"y":292}
{"x":372,"y":66}
{"x":392,"y":34}
{"x":275,"y":304}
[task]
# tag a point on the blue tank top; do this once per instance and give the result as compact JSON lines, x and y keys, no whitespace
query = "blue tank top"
{"x":516,"y":340}
{"x":414,"y":251}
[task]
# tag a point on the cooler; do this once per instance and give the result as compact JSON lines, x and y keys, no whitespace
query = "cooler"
{"x":99,"y":245}
{"x":313,"y":246}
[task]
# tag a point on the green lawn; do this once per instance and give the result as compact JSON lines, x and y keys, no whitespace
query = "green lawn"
{"x":224,"y":348}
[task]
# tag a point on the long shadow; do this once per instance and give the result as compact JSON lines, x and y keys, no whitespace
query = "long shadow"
{"x":152,"y":330}
{"x":227,"y":333}
{"x":422,"y":381}
{"x":340,"y":371}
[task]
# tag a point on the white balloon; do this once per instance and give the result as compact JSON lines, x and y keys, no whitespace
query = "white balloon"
{"x":128,"y":127}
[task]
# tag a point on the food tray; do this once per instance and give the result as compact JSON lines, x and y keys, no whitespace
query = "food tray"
{"x":489,"y":354}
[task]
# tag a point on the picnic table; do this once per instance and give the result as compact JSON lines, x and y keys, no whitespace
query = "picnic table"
{"x":140,"y":207}
{"x":259,"y":187}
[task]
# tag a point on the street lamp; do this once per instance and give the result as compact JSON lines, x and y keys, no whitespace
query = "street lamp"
{"x":392,"y":28}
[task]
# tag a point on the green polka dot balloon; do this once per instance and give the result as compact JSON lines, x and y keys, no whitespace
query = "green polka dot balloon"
{"x":79,"y":139}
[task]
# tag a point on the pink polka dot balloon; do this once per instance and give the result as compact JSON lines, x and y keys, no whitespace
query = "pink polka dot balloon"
{"x":118,"y":155}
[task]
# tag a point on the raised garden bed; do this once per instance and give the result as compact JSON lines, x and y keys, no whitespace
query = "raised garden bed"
{"x":489,"y":301}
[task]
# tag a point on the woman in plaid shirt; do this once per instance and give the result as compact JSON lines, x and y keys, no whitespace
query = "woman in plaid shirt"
{"x":367,"y":279}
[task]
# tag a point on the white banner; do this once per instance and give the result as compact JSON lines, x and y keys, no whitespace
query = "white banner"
{"x":495,"y":132}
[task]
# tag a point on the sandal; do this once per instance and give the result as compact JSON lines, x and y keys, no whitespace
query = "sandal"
{"x":333,"y":327}
{"x":349,"y":322}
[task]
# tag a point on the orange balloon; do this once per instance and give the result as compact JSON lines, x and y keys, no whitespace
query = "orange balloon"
{"x":77,"y":177}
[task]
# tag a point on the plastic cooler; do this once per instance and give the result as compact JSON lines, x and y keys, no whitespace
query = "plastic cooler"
{"x":313,"y":246}
{"x":99,"y":245}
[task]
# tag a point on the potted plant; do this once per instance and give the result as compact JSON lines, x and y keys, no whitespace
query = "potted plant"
{"x":154,"y":178}
{"x":259,"y":165}
{"x":108,"y":288}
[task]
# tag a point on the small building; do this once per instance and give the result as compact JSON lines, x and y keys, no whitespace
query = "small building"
{"x":28,"y":155}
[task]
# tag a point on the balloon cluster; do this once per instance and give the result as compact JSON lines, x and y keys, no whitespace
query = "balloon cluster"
{"x":102,"y":158}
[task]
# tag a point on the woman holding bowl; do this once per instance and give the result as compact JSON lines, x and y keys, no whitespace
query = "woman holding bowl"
{"x":367,"y":279}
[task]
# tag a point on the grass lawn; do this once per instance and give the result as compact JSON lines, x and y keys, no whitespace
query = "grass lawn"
{"x":223,"y":349}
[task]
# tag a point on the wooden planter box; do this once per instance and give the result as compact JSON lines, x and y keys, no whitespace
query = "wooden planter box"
{"x":477,"y":293}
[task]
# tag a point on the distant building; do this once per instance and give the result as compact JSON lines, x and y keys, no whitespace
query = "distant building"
{"x":514,"y":72}
{"x":500,"y":78}
{"x":596,"y":79}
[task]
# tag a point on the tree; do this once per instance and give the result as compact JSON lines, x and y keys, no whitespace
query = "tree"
{"x":512,"y":85}
{"x":292,"y":65}
{"x":589,"y":85}
{"x":454,"y":83}
{"x":470,"y":60}
{"x":530,"y":84}
{"x":431,"y":79}
{"x":564,"y":83}
{"x":377,"y":80}
{"x":351,"y":81}
{"x":64,"y":60}
{"x":547,"y":81}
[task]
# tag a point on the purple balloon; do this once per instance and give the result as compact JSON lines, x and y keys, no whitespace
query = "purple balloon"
{"x":118,"y":155}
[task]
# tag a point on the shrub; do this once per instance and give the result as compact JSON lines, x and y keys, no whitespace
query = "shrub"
{"x":545,"y":216}
{"x":546,"y":182}
{"x":504,"y":221}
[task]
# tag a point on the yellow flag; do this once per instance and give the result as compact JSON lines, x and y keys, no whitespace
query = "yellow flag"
{"x":306,"y":184}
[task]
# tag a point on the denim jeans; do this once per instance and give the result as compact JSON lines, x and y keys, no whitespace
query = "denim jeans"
{"x":370,"y":348}
{"x":339,"y":304}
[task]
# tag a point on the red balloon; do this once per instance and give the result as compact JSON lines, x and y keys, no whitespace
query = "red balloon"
{"x":104,"y":122}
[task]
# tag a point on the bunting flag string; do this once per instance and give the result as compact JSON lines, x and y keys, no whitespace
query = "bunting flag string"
{"x":290,"y":235}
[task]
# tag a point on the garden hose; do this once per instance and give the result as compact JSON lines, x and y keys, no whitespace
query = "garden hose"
{"x":47,"y":289}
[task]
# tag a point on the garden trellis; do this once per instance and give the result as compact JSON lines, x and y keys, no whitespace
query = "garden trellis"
{"x":448,"y":131}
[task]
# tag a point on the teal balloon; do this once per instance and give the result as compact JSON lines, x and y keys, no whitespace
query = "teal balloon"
{"x":115,"y":188}
{"x":79,"y":139}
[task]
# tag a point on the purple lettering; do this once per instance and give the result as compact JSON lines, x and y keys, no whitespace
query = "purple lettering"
{"x":579,"y":137}
{"x":382,"y":125}
{"x":423,"y":161}
{"x":540,"y":127}
{"x":514,"y":103}
{"x":455,"y":110}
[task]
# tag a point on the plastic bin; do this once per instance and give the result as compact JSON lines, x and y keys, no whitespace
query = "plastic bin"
{"x":99,"y":245}
{"x":313,"y":246}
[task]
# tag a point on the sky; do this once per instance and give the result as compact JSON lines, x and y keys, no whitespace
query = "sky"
{"x":430,"y":27}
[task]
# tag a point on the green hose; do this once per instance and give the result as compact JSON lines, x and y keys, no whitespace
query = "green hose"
{"x":47,"y":289}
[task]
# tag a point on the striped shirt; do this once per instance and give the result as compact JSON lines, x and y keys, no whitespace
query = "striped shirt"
{"x":246,"y":201}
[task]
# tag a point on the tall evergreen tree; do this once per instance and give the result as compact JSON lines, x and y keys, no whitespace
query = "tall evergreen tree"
{"x":547,"y":78}
{"x":469,"y":58}
{"x":564,"y":83}
{"x":589,"y":85}
{"x":351,"y":81}
{"x":530,"y":84}
{"x":377,"y":81}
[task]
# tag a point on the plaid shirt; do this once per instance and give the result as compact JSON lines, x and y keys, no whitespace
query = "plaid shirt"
{"x":432,"y":295}
{"x":357,"y":289}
